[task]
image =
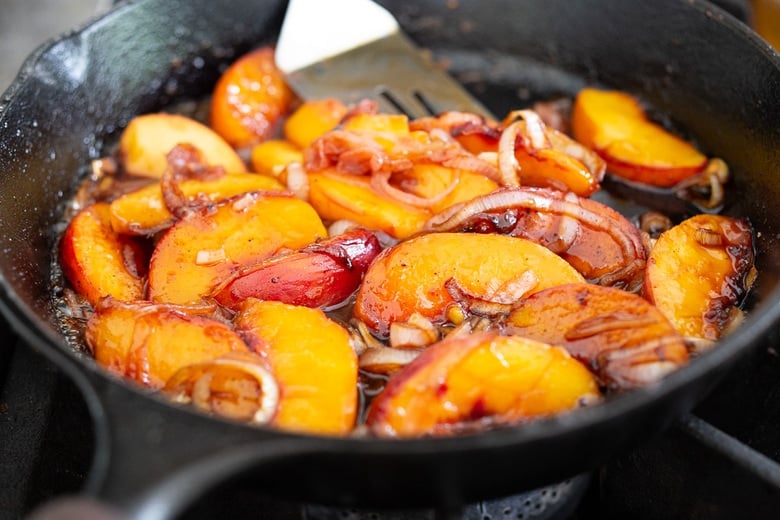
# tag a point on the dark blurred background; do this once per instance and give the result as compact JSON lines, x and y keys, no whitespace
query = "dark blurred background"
{"x":25,"y":24}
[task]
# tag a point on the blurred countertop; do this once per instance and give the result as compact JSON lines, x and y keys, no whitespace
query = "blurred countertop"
{"x":26,"y":24}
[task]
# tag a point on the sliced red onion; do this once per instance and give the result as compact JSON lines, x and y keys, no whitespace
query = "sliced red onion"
{"x":508,"y":166}
{"x":606,"y":323}
{"x":590,"y":159}
{"x":476,"y":164}
{"x":533,"y":129}
{"x":541,"y":200}
{"x":193,"y":384}
{"x":339,"y":227}
{"x":297,"y":180}
{"x":380,"y":182}
{"x":417,"y":332}
{"x":386,"y":360}
{"x":714,"y":176}
{"x":492,"y":306}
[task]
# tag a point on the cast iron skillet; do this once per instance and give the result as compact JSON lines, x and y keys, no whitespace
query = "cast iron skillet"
{"x":691,"y":60}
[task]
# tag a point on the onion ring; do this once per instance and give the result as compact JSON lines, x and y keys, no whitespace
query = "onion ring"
{"x":541,"y":200}
{"x":386,"y":360}
{"x":380,"y":183}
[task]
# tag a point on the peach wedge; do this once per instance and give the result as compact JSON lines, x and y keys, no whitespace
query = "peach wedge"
{"x":145,"y":143}
{"x":312,"y":361}
{"x":97,"y":261}
{"x":615,"y":125}
{"x":149,"y":343}
{"x":312,"y":119}
{"x":250,"y":99}
{"x":419,"y":275}
{"x":699,"y":271}
{"x":482,"y":379}
{"x":620,"y":336}
{"x":272,"y":156}
{"x":603,"y":245}
{"x":207,"y":247}
{"x":322,"y":275}
{"x":143,"y":211}
{"x":338,"y":196}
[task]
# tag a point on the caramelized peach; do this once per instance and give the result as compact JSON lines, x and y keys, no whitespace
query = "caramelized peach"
{"x":144,"y":212}
{"x":479,"y":380}
{"x":272,"y":156}
{"x":620,"y":336}
{"x":551,"y":168}
{"x":145,"y":143}
{"x":418,"y":275}
{"x":378,"y":125}
{"x":321,"y":275}
{"x":312,"y":361}
{"x":250,"y":99}
{"x":604,"y":246}
{"x":149,"y":343}
{"x":338,"y":196}
{"x":97,"y":261}
{"x":208,"y":246}
{"x":614,"y":124}
{"x":699,"y":271}
{"x":312,"y":119}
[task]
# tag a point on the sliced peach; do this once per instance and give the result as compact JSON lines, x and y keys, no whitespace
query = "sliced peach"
{"x":320,"y":275}
{"x":417,"y":276}
{"x":97,"y":261}
{"x":620,"y":336}
{"x":614,"y":124}
{"x":145,"y":143}
{"x":149,"y":343}
{"x":312,"y":119}
{"x":699,"y":271}
{"x":208,"y":246}
{"x":378,"y":124}
{"x":484,"y":379}
{"x":603,"y":245}
{"x":249,"y":99}
{"x":551,"y":168}
{"x":272,"y":156}
{"x":338,"y":196}
{"x":312,"y":360}
{"x":143,"y":211}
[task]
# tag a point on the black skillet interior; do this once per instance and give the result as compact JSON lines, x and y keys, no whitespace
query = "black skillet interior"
{"x":690,"y":60}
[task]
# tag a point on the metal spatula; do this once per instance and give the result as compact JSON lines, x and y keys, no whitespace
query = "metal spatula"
{"x":354,"y":49}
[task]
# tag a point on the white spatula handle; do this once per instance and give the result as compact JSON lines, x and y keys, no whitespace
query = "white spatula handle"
{"x":314,"y":30}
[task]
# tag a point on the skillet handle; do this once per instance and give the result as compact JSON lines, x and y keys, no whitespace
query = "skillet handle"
{"x":152,"y":459}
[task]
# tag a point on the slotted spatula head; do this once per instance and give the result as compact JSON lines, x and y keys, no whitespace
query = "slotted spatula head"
{"x":353,"y":50}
